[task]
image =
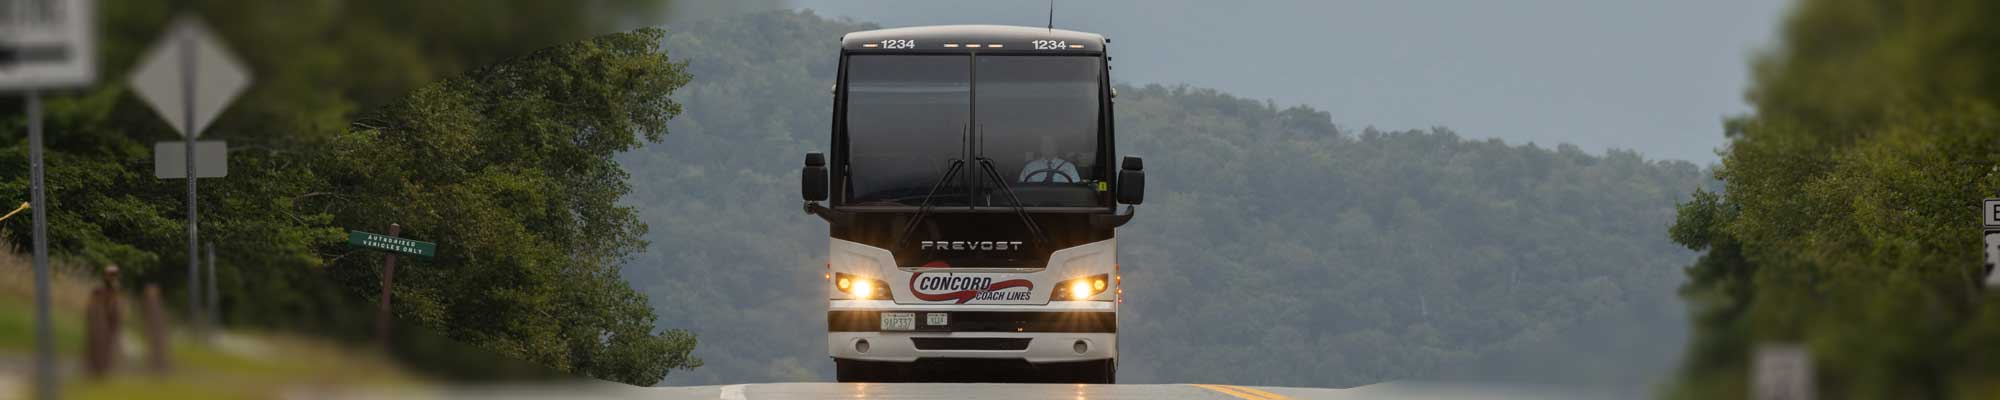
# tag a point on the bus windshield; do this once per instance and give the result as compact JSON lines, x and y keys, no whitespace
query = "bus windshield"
{"x":1037,"y":120}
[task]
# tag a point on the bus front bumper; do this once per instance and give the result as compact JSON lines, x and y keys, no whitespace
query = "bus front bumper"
{"x":1032,"y":336}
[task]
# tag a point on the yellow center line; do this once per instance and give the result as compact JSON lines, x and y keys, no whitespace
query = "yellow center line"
{"x":1267,"y":395}
{"x":1241,"y":392}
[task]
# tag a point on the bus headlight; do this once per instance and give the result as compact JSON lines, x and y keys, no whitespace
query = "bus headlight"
{"x":861,"y":288}
{"x":1082,"y":288}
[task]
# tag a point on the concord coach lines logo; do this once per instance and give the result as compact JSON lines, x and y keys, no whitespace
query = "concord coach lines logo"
{"x":967,"y":288}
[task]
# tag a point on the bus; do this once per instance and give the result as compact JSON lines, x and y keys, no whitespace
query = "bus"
{"x":971,"y":203}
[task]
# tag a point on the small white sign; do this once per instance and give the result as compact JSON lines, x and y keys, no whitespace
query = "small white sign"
{"x":189,"y":51}
{"x":1993,"y":258}
{"x":46,"y":44}
{"x":1782,"y":372}
{"x":1989,"y":213}
{"x":211,"y":159}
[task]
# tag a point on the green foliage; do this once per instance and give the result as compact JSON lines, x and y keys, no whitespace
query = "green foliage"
{"x":1848,"y":219}
{"x":1276,"y":247}
{"x":508,"y":167}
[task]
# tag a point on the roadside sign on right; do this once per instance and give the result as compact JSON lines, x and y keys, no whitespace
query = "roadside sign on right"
{"x":1992,"y":257}
{"x":1989,"y":216}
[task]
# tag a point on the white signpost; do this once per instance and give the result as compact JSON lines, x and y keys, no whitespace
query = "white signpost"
{"x":1782,"y":372}
{"x":44,"y":44}
{"x":170,"y":160}
{"x":189,"y":78}
{"x":1992,"y":258}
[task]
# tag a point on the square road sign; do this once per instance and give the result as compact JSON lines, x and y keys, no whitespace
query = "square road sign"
{"x":211,"y":159}
{"x":46,"y":44}
{"x":1989,"y":213}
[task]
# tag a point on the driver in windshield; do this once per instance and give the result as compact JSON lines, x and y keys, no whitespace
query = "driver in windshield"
{"x":1049,"y":168}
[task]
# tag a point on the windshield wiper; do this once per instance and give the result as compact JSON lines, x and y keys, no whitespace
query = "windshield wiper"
{"x":925,"y":207}
{"x":1033,"y":228}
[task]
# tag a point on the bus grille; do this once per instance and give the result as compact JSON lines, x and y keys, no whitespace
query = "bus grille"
{"x":924,"y":343}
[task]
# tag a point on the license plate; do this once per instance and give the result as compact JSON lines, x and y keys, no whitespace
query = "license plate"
{"x":899,"y":321}
{"x":937,"y":319}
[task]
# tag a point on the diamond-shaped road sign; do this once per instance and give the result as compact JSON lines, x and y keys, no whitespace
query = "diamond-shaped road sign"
{"x":46,"y":44}
{"x":189,"y":58}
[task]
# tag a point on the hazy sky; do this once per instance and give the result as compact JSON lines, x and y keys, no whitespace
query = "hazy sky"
{"x":1655,"y":76}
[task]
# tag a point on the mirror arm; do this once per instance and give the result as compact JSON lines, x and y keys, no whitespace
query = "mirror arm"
{"x":1107,"y":221}
{"x":830,"y":215}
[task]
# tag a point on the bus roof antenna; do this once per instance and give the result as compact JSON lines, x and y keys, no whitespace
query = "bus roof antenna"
{"x":1052,"y":16}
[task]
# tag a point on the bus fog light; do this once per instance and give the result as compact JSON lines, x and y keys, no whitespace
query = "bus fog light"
{"x":1080,"y":346}
{"x":862,"y":345}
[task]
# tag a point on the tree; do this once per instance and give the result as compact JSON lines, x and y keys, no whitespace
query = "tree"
{"x":509,"y":166}
{"x":464,"y":161}
{"x":1847,"y":218}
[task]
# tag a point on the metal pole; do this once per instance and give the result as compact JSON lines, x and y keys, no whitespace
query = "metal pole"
{"x":45,"y":350}
{"x":388,"y":281}
{"x":214,"y":310}
{"x":187,"y":129}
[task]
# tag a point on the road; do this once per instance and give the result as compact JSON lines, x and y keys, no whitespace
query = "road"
{"x":1017,"y":391}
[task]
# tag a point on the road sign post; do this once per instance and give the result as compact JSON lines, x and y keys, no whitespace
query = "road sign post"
{"x":189,"y":77}
{"x":390,"y":244}
{"x":45,"y":370}
{"x":388,"y":282}
{"x":214,"y":313}
{"x":44,"y":44}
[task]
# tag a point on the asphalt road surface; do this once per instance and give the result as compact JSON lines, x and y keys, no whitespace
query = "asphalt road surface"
{"x":1020,"y":391}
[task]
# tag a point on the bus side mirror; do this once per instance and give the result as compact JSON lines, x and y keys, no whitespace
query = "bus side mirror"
{"x":1132,"y":181}
{"x":812,"y":181}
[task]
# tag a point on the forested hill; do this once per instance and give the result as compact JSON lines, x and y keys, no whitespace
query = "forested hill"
{"x":1279,"y":245}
